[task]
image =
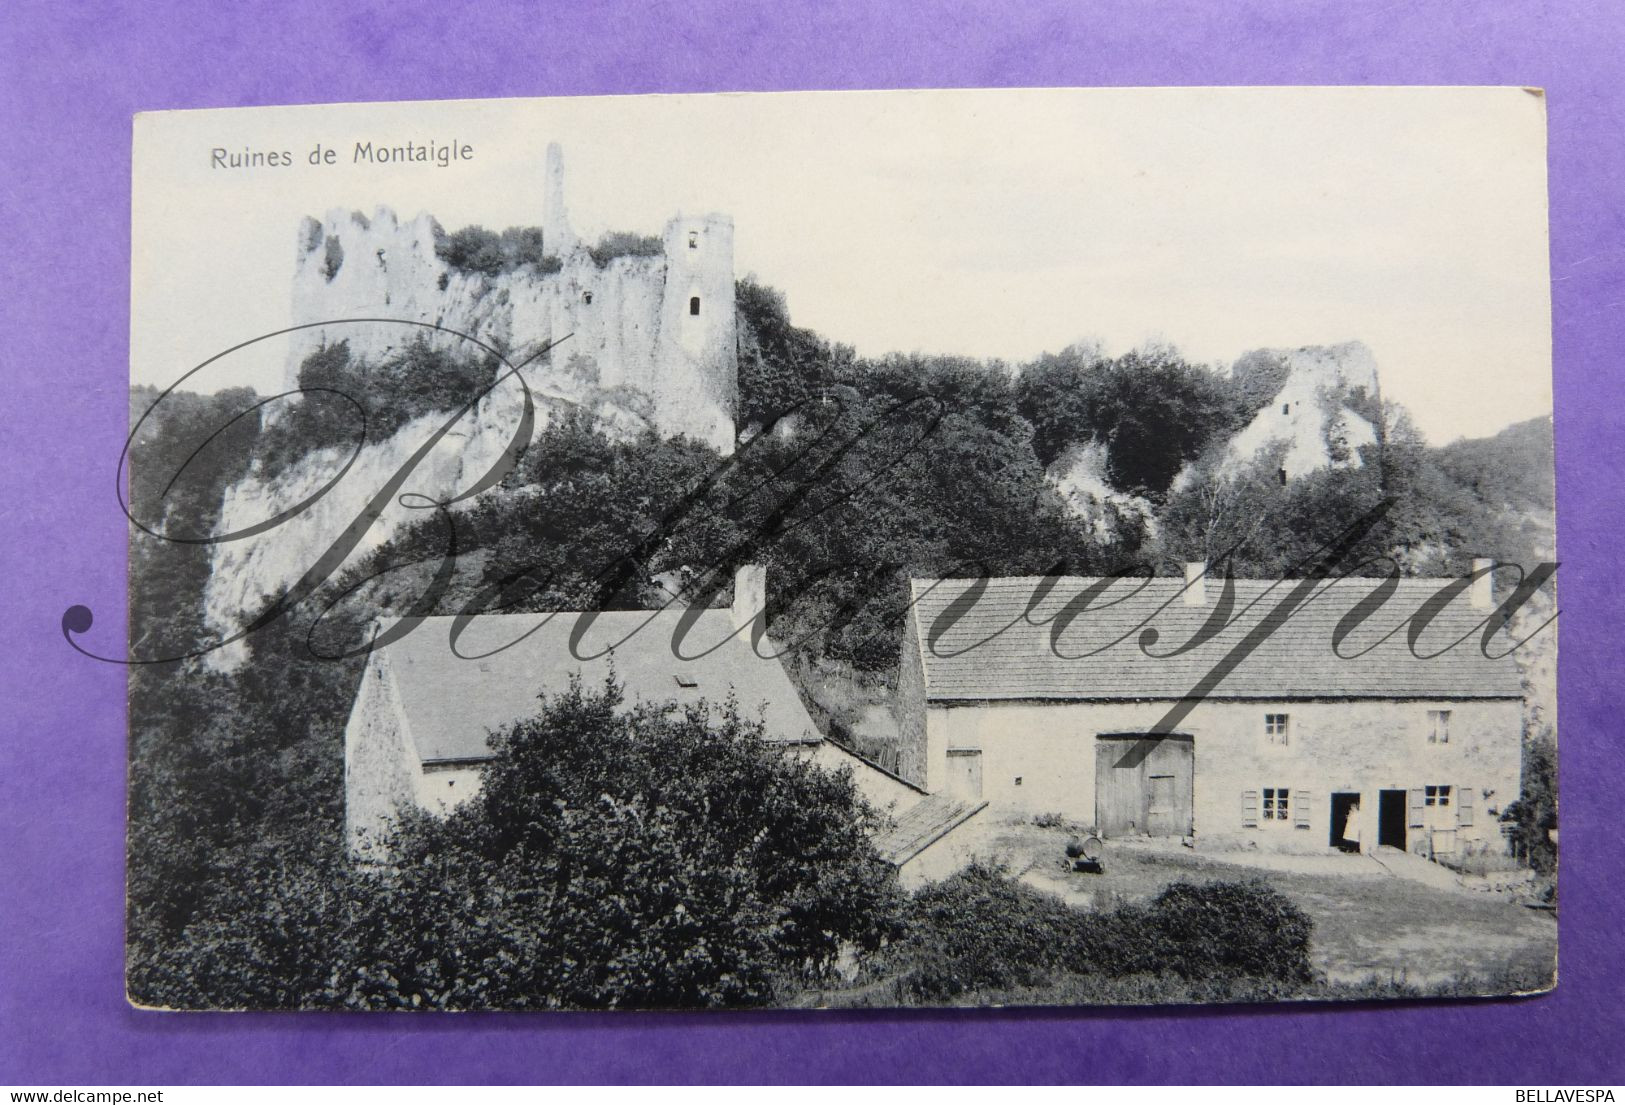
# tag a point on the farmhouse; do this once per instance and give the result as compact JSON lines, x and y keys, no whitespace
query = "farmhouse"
{"x":419,"y":732}
{"x":1334,"y":723}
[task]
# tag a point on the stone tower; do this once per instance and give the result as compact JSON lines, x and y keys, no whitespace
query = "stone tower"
{"x":557,"y":237}
{"x":696,"y":389}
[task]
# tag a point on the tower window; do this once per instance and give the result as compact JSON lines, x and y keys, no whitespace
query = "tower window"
{"x":1286,"y":408}
{"x":694,"y":305}
{"x":1283,"y":477}
{"x":693,"y":239}
{"x":586,"y":297}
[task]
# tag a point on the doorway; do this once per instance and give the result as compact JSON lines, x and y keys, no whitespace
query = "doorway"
{"x":1345,"y":827}
{"x":1391,"y":819}
{"x":965,"y":772}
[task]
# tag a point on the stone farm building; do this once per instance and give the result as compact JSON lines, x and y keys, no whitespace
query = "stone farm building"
{"x":419,"y":732}
{"x":1295,"y":749}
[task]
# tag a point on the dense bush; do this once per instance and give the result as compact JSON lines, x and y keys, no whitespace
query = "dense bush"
{"x":983,"y":932}
{"x":781,"y":367}
{"x":1217,"y":930}
{"x":621,"y":244}
{"x":347,"y":401}
{"x":613,"y":858}
{"x":1257,"y":377}
{"x":1153,"y":410}
{"x":476,"y":249}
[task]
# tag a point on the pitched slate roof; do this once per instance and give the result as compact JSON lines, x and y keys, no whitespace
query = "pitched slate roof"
{"x":452,"y":705}
{"x":923,"y":824}
{"x":988,"y":646}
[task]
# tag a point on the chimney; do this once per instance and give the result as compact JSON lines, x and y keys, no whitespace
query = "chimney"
{"x":750,"y":594}
{"x":1195,"y":583}
{"x":1482,"y":589}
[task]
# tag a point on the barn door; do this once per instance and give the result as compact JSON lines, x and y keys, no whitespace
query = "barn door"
{"x":1143,"y":785}
{"x":1119,"y":806}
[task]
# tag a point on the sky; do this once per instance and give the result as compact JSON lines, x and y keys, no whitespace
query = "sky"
{"x":983,"y":223}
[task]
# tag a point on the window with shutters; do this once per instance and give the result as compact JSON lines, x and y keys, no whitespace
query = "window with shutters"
{"x":1438,"y":726}
{"x":1277,"y":804}
{"x":1276,"y":728}
{"x":1249,"y":809}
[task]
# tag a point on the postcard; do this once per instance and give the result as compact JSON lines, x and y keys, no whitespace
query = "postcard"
{"x":825,"y":550}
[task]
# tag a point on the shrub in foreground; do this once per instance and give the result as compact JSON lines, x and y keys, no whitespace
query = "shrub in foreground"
{"x":983,"y":931}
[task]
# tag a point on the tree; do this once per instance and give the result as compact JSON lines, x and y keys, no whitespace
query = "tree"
{"x":781,"y":367}
{"x":1053,"y":393}
{"x":1534,"y":814}
{"x":1154,"y":411}
{"x":628,"y":858}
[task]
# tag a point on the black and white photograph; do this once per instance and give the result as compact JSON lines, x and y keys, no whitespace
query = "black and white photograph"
{"x":842,"y":550}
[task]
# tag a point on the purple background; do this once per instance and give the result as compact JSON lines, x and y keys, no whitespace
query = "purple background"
{"x":73,"y":75}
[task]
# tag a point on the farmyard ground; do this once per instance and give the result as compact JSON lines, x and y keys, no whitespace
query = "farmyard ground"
{"x":1369,"y":921}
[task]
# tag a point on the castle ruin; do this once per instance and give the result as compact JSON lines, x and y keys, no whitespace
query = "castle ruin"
{"x":645,"y":339}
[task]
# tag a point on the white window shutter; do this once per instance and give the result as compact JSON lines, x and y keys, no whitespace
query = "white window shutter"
{"x":1418,"y":808}
{"x":1249,"y":809}
{"x":1464,"y":806}
{"x":1300,"y":808}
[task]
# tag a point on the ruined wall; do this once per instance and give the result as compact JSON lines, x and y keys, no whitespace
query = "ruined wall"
{"x":696,"y":362}
{"x":1362,"y":747}
{"x":628,"y":337}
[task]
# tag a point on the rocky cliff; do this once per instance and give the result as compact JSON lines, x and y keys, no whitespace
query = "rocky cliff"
{"x":1080,"y":475}
{"x":645,"y":338}
{"x":245,"y":575}
{"x":1314,"y":413}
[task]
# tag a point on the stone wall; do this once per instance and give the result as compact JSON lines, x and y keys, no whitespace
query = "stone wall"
{"x":379,"y":762}
{"x":912,"y":756}
{"x":883,"y":791}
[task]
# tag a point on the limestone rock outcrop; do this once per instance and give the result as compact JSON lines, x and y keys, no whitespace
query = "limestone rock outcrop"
{"x":1312,"y":413}
{"x":644,"y":338}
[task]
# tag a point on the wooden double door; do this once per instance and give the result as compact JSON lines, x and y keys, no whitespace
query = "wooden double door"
{"x":1144,"y":784}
